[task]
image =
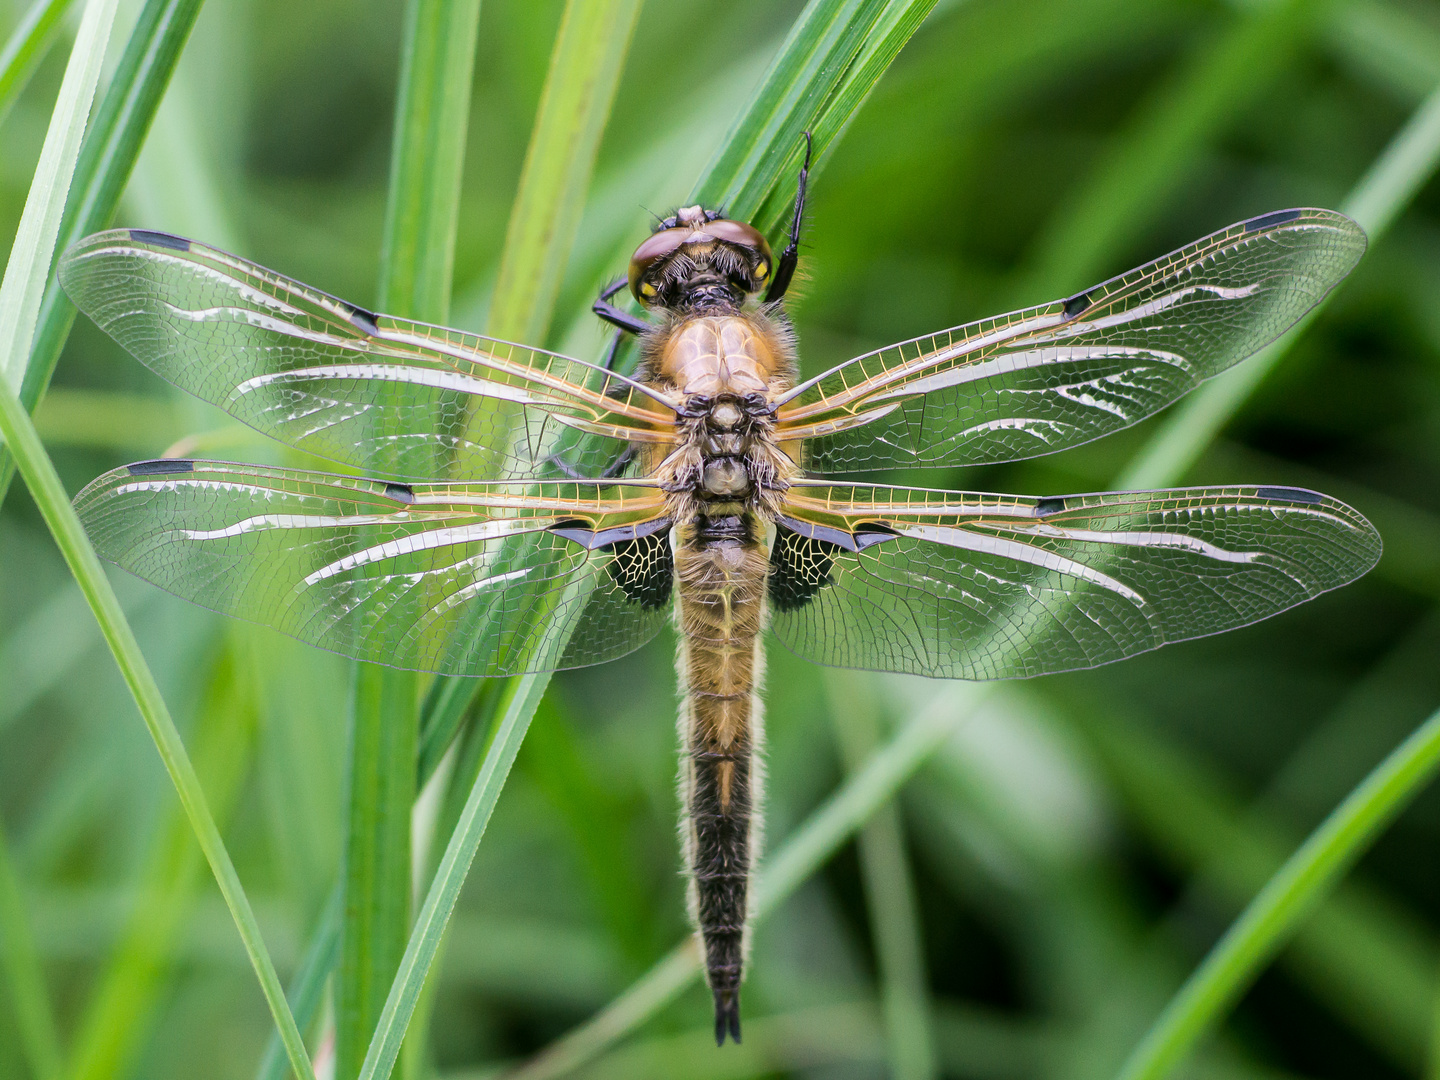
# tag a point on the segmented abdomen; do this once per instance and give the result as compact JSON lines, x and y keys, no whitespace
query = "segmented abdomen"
{"x":721,"y":608}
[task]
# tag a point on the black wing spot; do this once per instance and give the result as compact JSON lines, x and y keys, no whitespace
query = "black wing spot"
{"x":364,"y":320}
{"x":799,"y":568}
{"x":400,"y":492}
{"x":1266,"y":221}
{"x":1288,"y":494}
{"x":870,"y":533}
{"x":161,"y":466}
{"x":644,"y":568}
{"x":1046,"y":507}
{"x":1076,"y":304}
{"x":160,"y":239}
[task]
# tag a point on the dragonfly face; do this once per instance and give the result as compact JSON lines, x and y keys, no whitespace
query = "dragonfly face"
{"x":527,"y":511}
{"x":697,"y":260}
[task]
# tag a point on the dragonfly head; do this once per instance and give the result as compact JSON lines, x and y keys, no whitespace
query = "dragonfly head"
{"x":697,"y":259}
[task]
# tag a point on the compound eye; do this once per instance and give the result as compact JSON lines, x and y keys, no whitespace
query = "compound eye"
{"x":739,"y":234}
{"x":654,"y":247}
{"x":745,"y":236}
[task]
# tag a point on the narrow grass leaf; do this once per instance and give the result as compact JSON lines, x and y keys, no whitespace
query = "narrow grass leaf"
{"x":49,"y":495}
{"x":1274,"y":915}
{"x":424,"y":945}
{"x":134,"y":984}
{"x":35,"y":1016}
{"x":1370,"y":966}
{"x":34,"y":245}
{"x":830,"y":61}
{"x":585,"y":68}
{"x":26,"y":47}
{"x":445,"y":708}
{"x":106,"y":158}
{"x":584,"y":72}
{"x":380,"y":790}
{"x":889,"y":890}
{"x":432,"y":112}
{"x":306,"y":991}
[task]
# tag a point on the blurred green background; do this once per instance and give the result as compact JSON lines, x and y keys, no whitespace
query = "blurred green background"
{"x":1069,"y":855}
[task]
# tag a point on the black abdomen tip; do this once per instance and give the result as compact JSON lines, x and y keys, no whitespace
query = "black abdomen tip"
{"x":727,"y":1016}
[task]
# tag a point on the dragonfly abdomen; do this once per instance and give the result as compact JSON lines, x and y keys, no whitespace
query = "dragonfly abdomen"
{"x":721,"y":575}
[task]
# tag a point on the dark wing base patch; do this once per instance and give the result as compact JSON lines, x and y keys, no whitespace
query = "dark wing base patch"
{"x":799,"y":568}
{"x":644,"y":568}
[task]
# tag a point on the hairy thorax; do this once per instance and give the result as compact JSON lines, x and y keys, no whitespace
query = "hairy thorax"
{"x":728,"y":369}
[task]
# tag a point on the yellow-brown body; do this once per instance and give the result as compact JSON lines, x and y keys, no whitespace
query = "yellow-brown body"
{"x":724,"y":481}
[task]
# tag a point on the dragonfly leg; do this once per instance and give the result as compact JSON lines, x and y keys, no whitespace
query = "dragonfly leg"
{"x":614,"y":469}
{"x":618,"y":466}
{"x":785,"y":268}
{"x":614,"y":349}
{"x":613,"y":315}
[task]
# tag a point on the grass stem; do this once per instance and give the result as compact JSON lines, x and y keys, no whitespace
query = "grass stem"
{"x":1273,"y":916}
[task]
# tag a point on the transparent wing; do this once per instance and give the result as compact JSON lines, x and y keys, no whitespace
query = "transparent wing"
{"x":997,"y":586}
{"x":391,"y":397}
{"x":1051,"y":377}
{"x":461,"y":579}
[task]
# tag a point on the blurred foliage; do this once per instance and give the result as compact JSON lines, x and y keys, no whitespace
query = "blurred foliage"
{"x":1074,"y":849}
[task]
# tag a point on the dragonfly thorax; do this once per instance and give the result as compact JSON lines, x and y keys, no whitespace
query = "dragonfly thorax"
{"x":718,"y":356}
{"x":727,"y":369}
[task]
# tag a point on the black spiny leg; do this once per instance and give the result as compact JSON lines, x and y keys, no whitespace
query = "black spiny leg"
{"x":614,"y":350}
{"x":785,"y":268}
{"x":610,"y":472}
{"x":613,"y":315}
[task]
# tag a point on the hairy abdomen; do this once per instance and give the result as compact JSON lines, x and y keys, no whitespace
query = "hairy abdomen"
{"x":721,"y":609}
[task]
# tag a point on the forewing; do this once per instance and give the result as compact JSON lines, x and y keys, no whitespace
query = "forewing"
{"x":460,"y":579}
{"x":391,"y":397}
{"x":1051,"y":377}
{"x":996,"y":586}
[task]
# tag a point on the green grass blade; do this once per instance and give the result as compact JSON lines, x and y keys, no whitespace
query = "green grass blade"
{"x":1273,"y":916}
{"x":432,"y":112}
{"x":34,"y":245}
{"x":20,"y":295}
{"x":107,"y":157}
{"x":1371,"y":967}
{"x":889,"y":891}
{"x":49,"y":495}
{"x":1407,"y":162}
{"x":1382,"y":193}
{"x":584,"y":73}
{"x":380,"y":791}
{"x":827,"y":66}
{"x":516,"y":711}
{"x":444,"y":709}
{"x":579,"y":91}
{"x":39,"y":1035}
{"x":307,"y":986}
{"x":26,"y":47}
{"x":132,"y":988}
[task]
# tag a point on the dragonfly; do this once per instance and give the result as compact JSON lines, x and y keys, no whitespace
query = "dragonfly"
{"x":522,"y":511}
